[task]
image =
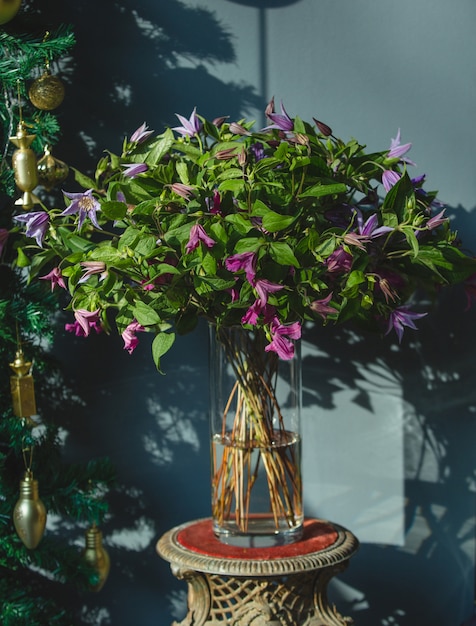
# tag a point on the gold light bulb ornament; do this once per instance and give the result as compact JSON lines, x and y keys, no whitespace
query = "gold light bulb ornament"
{"x":97,"y":556}
{"x":29,"y":514}
{"x":8,"y":10}
{"x":25,"y":166}
{"x":51,"y":171}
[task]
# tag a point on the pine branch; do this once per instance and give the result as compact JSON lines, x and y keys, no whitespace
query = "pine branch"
{"x":21,"y":56}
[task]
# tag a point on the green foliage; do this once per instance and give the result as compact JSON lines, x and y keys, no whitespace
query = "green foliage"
{"x":267,"y":228}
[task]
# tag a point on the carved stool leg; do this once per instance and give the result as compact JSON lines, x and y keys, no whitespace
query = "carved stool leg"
{"x":291,"y":600}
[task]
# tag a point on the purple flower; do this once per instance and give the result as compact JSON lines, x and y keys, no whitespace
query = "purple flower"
{"x":322,"y":308}
{"x":129,"y":336}
{"x":3,"y":238}
{"x":87,"y":320}
{"x":93,"y":267}
{"x":257,"y":150}
{"x":252,"y":314}
{"x":339,"y":261}
{"x":197,"y":235}
{"x":282,"y":122}
{"x":436,"y":220}
{"x":55,"y":277}
{"x":389,"y":179}
{"x":282,"y":338}
{"x":370,"y":227}
{"x":36,"y":224}
{"x":401,"y":317}
{"x":397,"y":150}
{"x":264,"y":288}
{"x":243,"y":261}
{"x":213,"y":205}
{"x":191,"y":126}
{"x":133,"y":169}
{"x":141,"y":134}
{"x":85,"y":204}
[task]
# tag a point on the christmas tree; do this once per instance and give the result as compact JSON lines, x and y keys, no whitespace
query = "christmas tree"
{"x":38,"y":563}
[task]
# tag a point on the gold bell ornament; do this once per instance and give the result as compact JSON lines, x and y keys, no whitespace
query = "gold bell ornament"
{"x":8,"y":10}
{"x":29,"y":514}
{"x":22,"y":387}
{"x":46,"y":92}
{"x":97,"y":556}
{"x":24,"y":166}
{"x":51,"y":171}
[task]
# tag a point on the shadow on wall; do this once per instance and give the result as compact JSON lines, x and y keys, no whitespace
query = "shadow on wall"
{"x":136,"y":62}
{"x":430,"y":578}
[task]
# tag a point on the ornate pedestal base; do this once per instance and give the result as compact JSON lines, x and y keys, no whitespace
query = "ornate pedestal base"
{"x":278,"y":586}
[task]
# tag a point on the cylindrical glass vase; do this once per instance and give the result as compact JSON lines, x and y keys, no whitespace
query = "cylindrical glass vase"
{"x":255,"y":403}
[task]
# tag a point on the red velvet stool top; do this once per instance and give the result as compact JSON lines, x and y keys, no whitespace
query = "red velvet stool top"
{"x":199,"y":537}
{"x":193,"y":546}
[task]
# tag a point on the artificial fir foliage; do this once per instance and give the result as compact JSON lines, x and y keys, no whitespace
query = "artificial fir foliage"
{"x":32,"y":581}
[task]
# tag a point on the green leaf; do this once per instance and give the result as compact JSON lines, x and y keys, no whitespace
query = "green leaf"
{"x":234,"y":185}
{"x":232,"y":172}
{"x":83,"y":180}
{"x":157,"y":149}
{"x":240,"y":222}
{"x":182,"y":171}
{"x":146,"y":245}
{"x":22,"y":259}
{"x":114,"y":210}
{"x":248,"y":244}
{"x":354,"y":280}
{"x":74,"y":242}
{"x":145,"y":314}
{"x":274,"y":222}
{"x":129,"y":238}
{"x":395,"y":204}
{"x":160,"y":346}
{"x":282,"y":253}
{"x":320,"y":190}
{"x":411,"y":239}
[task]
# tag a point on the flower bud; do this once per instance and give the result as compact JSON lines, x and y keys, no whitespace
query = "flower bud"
{"x":270,"y":107}
{"x":218,"y":121}
{"x":242,"y":157}
{"x":323,"y":128}
{"x":238,"y":129}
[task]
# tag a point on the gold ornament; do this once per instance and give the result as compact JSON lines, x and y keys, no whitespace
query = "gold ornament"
{"x":97,"y":556}
{"x":8,"y":10}
{"x":29,"y":514}
{"x":51,"y":171}
{"x":24,"y":167}
{"x":46,"y":92}
{"x":22,"y":387}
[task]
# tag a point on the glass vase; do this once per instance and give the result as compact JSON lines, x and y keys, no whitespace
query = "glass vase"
{"x":255,"y":402}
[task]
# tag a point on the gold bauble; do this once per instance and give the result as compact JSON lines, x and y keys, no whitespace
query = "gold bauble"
{"x":97,"y":556}
{"x":47,"y":92}
{"x":51,"y":171}
{"x":8,"y":10}
{"x":29,"y":514}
